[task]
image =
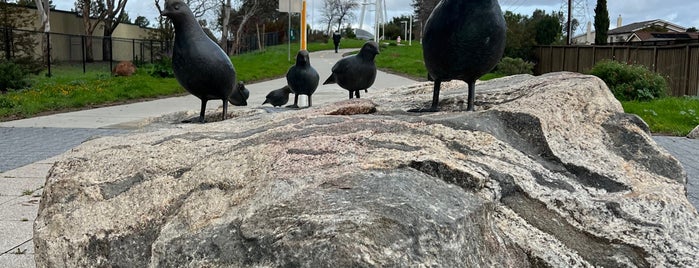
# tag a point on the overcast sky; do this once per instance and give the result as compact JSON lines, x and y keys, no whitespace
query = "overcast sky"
{"x":681,"y":12}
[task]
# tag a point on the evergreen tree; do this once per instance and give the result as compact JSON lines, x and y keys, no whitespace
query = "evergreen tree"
{"x":601,"y":22}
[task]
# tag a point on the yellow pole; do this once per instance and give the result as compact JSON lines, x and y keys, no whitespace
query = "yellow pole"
{"x":303,"y":26}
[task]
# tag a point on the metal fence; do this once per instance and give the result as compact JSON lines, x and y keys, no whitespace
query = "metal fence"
{"x":250,"y":42}
{"x":73,"y":49}
{"x":678,"y":63}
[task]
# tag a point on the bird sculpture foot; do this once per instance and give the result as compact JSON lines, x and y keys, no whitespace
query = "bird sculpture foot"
{"x":424,"y":110}
{"x":292,"y":106}
{"x":193,"y":120}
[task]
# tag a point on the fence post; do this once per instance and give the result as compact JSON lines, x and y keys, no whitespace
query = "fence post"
{"x":594,"y":55}
{"x":133,"y":50}
{"x":687,"y":65}
{"x":82,"y":48}
{"x":151,"y":51}
{"x":577,"y":59}
{"x":143,"y":52}
{"x":48,"y":52}
{"x":655,"y":59}
{"x":8,"y":47}
{"x":111,"y":54}
{"x":628,"y":54}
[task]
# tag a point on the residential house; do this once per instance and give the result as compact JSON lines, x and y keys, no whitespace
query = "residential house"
{"x":634,"y":32}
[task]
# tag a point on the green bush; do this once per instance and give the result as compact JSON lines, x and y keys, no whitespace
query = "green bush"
{"x":162,"y":68}
{"x":511,"y":66}
{"x":630,"y":82}
{"x":12,"y":76}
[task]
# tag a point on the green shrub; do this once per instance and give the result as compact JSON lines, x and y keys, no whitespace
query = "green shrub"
{"x":12,"y":76}
{"x":511,"y":66}
{"x":162,"y":68}
{"x":630,"y":82}
{"x":30,"y":65}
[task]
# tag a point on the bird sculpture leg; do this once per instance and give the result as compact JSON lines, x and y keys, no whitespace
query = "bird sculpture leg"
{"x":471,"y":95}
{"x":296,"y":102}
{"x":356,"y":93}
{"x":435,"y":100}
{"x":435,"y":96}
{"x":225,"y":109}
{"x":203,"y":110}
{"x":310,"y":103}
{"x":351,"y":95}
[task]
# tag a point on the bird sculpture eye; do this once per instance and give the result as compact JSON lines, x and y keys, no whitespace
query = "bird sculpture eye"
{"x":177,"y":6}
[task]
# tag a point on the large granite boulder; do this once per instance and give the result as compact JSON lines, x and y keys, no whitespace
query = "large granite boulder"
{"x":694,"y":134}
{"x":548,"y":172}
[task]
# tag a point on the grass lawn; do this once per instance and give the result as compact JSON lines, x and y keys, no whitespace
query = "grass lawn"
{"x":404,"y":59}
{"x":276,"y":61}
{"x":408,"y":61}
{"x":71,"y":89}
{"x":667,"y":116}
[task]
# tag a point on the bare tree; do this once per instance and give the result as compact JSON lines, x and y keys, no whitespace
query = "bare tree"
{"x":114,"y":15}
{"x":249,"y":8}
{"x":344,"y":9}
{"x":328,"y":13}
{"x":226,"y":17}
{"x":44,"y":9}
{"x":86,"y":9}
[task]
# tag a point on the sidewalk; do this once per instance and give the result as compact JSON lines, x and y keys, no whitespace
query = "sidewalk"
{"x":30,"y":147}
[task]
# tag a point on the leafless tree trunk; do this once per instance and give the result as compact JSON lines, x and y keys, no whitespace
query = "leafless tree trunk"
{"x":344,"y":10}
{"x":90,"y":27}
{"x":114,"y":11}
{"x":45,"y":25}
{"x":259,"y":37}
{"x":246,"y":17}
{"x":328,"y":13}
{"x":224,"y":30}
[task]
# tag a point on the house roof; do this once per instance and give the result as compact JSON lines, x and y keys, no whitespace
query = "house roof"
{"x":633,"y":27}
{"x":661,"y":36}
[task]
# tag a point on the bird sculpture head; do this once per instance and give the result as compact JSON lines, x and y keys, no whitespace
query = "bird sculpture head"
{"x":369,"y":50}
{"x":302,"y":58}
{"x":176,"y":10}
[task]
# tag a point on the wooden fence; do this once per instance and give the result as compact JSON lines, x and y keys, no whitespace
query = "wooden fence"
{"x":679,"y":63}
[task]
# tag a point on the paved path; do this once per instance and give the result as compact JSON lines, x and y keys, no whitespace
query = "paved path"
{"x":29,"y":147}
{"x":687,"y":152}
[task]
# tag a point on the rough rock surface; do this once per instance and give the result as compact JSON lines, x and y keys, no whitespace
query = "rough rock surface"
{"x":694,"y":134}
{"x":548,"y":172}
{"x":124,"y":68}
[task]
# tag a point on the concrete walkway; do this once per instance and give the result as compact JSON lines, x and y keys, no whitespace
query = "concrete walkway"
{"x":29,"y":148}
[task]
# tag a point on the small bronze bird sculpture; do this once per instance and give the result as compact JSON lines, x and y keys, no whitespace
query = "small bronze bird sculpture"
{"x":278,"y":97}
{"x":302,"y":78}
{"x":462,"y":40}
{"x":355,"y":73}
{"x":199,"y":64}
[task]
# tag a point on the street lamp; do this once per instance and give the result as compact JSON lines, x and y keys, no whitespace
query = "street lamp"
{"x":405,"y":29}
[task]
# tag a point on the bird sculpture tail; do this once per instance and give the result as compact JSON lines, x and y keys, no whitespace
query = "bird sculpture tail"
{"x":266,"y":101}
{"x":330,"y":80}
